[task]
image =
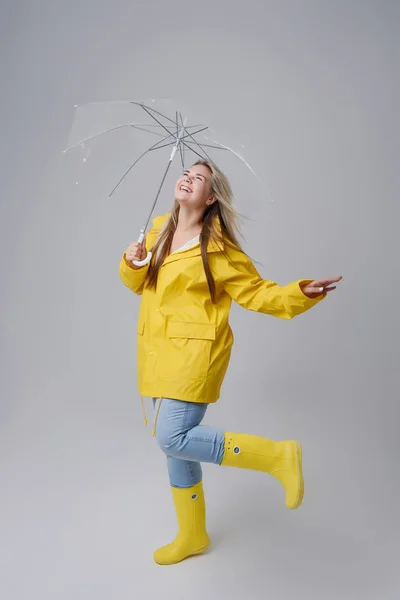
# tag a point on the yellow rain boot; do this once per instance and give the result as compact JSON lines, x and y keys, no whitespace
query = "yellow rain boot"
{"x":192,"y":536}
{"x":282,"y":460}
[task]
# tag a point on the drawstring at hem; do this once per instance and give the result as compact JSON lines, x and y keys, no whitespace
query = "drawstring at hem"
{"x":144,"y":411}
{"x":153,"y":433}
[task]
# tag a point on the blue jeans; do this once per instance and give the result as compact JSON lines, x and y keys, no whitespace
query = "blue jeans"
{"x":185,"y":442}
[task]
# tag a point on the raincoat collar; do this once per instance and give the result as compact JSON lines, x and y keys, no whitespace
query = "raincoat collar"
{"x":196,"y":250}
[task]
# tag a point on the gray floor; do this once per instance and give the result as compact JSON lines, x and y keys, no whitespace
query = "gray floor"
{"x":84,"y":503}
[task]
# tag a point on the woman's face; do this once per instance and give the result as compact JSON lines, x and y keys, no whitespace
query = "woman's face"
{"x":193,"y":188}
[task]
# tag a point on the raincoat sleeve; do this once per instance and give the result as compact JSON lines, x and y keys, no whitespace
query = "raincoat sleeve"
{"x":134,"y":278}
{"x":241,"y":280}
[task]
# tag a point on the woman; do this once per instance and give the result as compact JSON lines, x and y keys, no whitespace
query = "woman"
{"x":185,"y":341}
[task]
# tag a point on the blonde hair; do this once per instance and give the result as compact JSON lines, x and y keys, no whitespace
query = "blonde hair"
{"x":223,"y":207}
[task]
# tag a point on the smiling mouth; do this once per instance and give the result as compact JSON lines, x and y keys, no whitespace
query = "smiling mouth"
{"x":185,"y":188}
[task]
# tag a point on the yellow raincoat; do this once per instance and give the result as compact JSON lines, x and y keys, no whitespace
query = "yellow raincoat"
{"x":184,"y":340}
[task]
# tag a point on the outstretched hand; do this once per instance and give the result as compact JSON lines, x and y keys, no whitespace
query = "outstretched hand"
{"x":319,"y":286}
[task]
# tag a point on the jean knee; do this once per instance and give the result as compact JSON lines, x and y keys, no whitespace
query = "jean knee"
{"x":166,"y":440}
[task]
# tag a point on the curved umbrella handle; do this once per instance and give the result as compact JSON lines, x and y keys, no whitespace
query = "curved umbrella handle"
{"x":141,"y":263}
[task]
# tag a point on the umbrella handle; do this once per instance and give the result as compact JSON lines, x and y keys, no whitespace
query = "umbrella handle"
{"x":141,"y":263}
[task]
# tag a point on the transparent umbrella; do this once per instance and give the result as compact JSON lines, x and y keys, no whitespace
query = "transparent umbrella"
{"x":160,"y":128}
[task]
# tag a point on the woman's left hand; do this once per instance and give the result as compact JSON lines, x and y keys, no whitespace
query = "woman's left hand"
{"x":319,"y":286}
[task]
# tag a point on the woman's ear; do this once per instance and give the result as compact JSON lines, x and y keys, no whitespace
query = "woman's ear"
{"x":210,"y":201}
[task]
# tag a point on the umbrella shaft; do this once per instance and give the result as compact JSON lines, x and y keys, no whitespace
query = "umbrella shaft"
{"x":157,"y":195}
{"x":171,"y":158}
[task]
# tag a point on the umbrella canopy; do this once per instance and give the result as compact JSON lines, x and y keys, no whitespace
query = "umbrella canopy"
{"x":159,"y":128}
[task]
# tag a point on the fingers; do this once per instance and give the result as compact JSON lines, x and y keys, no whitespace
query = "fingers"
{"x":135,"y":251}
{"x":131,"y":256}
{"x":317,"y":286}
{"x":326,"y":282}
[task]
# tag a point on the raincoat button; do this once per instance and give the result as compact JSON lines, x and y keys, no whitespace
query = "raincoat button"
{"x":151,"y":353}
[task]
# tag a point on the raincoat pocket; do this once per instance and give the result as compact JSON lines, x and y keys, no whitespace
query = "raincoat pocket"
{"x":188,"y":350}
{"x":190,"y":330}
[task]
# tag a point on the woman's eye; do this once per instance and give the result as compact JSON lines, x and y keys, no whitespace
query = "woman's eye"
{"x":199,"y":178}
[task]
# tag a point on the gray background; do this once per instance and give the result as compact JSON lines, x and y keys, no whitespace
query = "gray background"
{"x":313,"y":90}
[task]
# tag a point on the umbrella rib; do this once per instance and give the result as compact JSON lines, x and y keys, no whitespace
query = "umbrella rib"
{"x":238,"y":155}
{"x":156,"y":120}
{"x":141,"y":128}
{"x":183,"y":137}
{"x":157,"y":125}
{"x":192,"y":150}
{"x":92,"y":137}
{"x":200,"y":146}
{"x":141,"y":104}
{"x":148,"y":109}
{"x":131,"y":167}
{"x":164,"y":127}
{"x":156,"y":147}
{"x":171,"y":143}
{"x":209,"y":146}
{"x":188,"y":134}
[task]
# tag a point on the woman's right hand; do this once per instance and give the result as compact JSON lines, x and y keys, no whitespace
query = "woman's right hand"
{"x":135,"y":251}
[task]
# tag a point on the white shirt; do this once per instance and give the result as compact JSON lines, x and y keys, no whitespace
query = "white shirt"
{"x":189,"y":244}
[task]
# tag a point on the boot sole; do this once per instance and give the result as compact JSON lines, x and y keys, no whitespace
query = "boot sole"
{"x":194,"y":553}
